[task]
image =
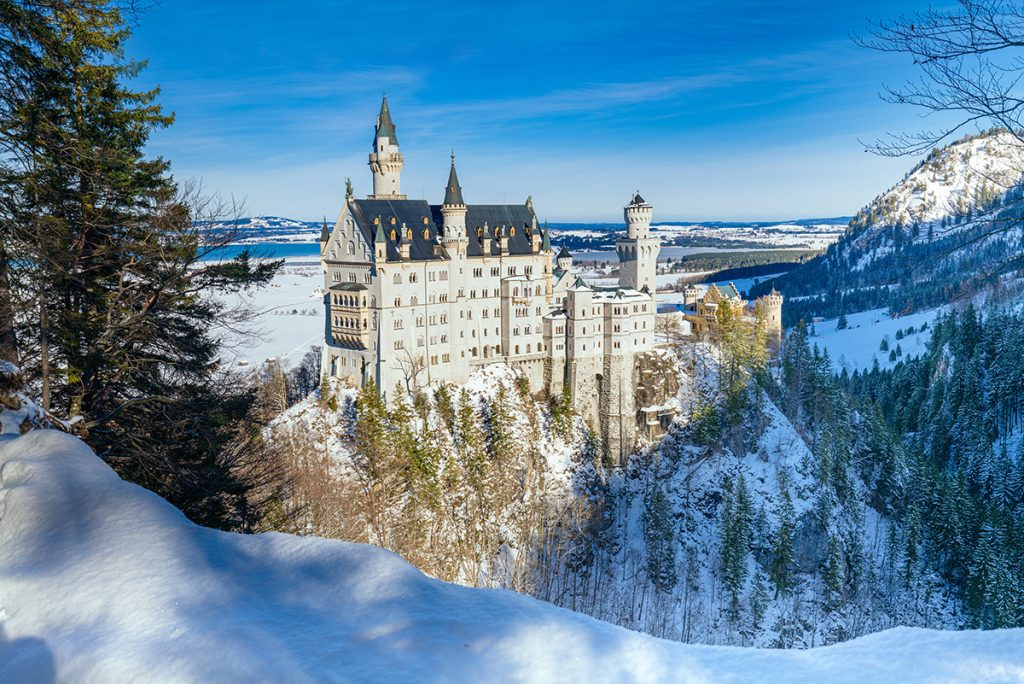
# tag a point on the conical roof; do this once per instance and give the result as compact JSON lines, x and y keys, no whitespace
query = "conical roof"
{"x":453,"y":191}
{"x":385,"y":126}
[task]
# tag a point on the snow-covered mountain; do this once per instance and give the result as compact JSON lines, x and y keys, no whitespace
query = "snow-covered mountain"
{"x":101,"y":580}
{"x":256,"y":229}
{"x":949,"y":227}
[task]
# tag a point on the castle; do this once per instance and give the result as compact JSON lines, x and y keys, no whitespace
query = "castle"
{"x":702,"y":307}
{"x":419,"y":294}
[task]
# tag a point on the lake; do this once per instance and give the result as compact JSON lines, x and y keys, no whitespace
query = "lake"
{"x":267,"y":250}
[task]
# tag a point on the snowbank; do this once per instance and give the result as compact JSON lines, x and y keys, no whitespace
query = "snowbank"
{"x":103,"y":581}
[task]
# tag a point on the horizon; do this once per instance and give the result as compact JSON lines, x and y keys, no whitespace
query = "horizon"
{"x":759,"y":118}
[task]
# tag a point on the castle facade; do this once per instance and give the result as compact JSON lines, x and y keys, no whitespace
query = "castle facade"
{"x":419,"y":294}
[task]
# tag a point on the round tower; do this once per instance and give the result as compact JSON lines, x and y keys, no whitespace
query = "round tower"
{"x":564,"y":260}
{"x":691,"y":293}
{"x":454,"y":211}
{"x":638,"y":217}
{"x":385,"y":160}
{"x":771,"y":304}
{"x":638,"y":251}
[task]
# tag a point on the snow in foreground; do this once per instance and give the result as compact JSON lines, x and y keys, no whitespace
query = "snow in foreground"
{"x":103,"y":581}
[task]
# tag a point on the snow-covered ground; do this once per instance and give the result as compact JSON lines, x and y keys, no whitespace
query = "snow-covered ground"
{"x":858,"y":346}
{"x":290,"y":316}
{"x":103,"y":581}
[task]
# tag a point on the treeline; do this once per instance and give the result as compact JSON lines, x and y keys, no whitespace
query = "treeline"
{"x":105,"y":302}
{"x":956,"y":478}
{"x":716,"y":261}
{"x":905,"y":267}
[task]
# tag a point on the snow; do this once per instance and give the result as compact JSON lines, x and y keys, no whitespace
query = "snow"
{"x":290,"y":316}
{"x":857,"y":346}
{"x":103,"y":581}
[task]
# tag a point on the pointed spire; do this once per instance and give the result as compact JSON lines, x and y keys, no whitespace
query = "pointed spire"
{"x":545,"y":245}
{"x":379,"y":232}
{"x":325,"y":234}
{"x":385,"y":126}
{"x":453,"y":192}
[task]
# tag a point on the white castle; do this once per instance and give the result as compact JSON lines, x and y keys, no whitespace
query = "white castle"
{"x":420,"y":294}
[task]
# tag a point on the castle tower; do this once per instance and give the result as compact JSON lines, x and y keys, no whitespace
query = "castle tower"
{"x":564,"y":260}
{"x":453,"y":236}
{"x":386,"y":161}
{"x":771,"y":305}
{"x":638,"y":251}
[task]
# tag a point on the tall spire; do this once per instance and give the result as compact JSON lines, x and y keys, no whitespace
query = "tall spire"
{"x":453,"y":191}
{"x":385,"y":126}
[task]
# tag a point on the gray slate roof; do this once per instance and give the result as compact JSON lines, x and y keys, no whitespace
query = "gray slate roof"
{"x":413,"y":212}
{"x":453,"y":191}
{"x":385,"y":126}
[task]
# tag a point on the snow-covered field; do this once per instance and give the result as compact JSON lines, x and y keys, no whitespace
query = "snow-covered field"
{"x":103,"y":581}
{"x":857,"y":346}
{"x":290,"y":316}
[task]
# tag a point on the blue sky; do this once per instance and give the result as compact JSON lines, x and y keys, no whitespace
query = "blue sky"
{"x":714,"y":110}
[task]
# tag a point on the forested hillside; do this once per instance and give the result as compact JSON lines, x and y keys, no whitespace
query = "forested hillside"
{"x":779,"y":509}
{"x":951,"y":227}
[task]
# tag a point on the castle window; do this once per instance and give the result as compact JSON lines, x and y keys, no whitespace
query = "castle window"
{"x":397,"y":279}
{"x":444,"y":275}
{"x":351,"y":247}
{"x":515,"y":331}
{"x":408,"y":234}
{"x":394,"y":236}
{"x":413,"y":301}
{"x":425,"y":221}
{"x":393,"y":220}
{"x":413,"y":277}
{"x":419,"y":321}
{"x":419,"y":342}
{"x":336,"y":277}
{"x":511,"y":231}
{"x":398,"y":324}
{"x":485,"y":313}
{"x":399,"y":344}
{"x":478,"y":272}
{"x":444,"y":318}
{"x":351,"y":277}
{"x":527,"y":349}
{"x":496,"y":271}
{"x":398,"y":301}
{"x":426,"y":233}
{"x":517,"y":349}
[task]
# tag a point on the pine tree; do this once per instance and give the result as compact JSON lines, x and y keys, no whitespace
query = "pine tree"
{"x":659,"y":538}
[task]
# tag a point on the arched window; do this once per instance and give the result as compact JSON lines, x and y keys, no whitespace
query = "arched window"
{"x":398,"y":279}
{"x":351,"y":247}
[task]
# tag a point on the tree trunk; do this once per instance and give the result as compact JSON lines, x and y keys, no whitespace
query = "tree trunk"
{"x":8,"y":340}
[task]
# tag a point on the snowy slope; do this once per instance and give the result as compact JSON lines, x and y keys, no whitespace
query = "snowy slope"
{"x":103,"y":581}
{"x":943,"y":232}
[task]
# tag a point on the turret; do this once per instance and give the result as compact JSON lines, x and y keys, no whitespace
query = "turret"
{"x":385,"y":160}
{"x":454,"y":212}
{"x":564,"y":260}
{"x":771,"y":305}
{"x":638,"y":217}
{"x":638,"y":251}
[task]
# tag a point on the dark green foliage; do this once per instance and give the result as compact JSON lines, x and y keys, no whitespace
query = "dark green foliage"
{"x":102,"y":265}
{"x":659,"y":536}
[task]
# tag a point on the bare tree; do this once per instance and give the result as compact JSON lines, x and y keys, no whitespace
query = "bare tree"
{"x":971,"y":63}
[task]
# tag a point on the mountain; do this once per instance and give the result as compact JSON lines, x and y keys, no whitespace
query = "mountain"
{"x":101,"y":580}
{"x":257,"y":229}
{"x":949,"y":228}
